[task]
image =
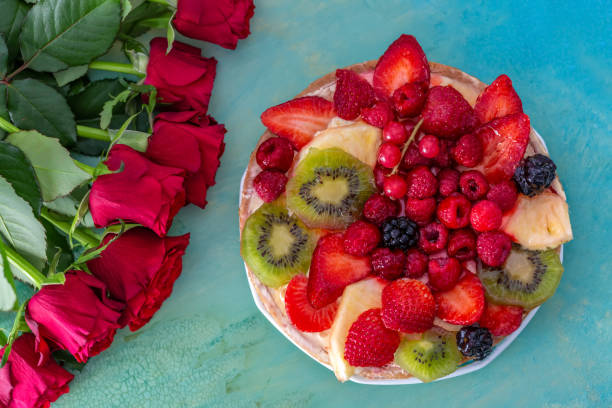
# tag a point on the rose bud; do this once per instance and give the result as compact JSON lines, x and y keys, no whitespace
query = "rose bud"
{"x":139,"y":269}
{"x":222,"y":22}
{"x":140,"y":191}
{"x":76,"y":316}
{"x":183,"y":78}
{"x":194,"y":144}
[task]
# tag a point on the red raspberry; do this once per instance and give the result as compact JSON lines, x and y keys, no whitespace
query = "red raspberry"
{"x":444,"y":159}
{"x":420,"y":211}
{"x":275,"y":153}
{"x":389,"y":155}
{"x":443,"y":273}
{"x":493,"y":247}
{"x":378,"y":208}
{"x":380,"y":175}
{"x":408,"y":306}
{"x":429,"y":146}
{"x":473,"y":184}
{"x":485,"y":216}
{"x":421,"y":183}
{"x":387,"y":263}
{"x":503,"y":194}
{"x":448,"y":181}
{"x":468,"y":150}
{"x":412,"y":158}
{"x":501,"y":320}
{"x":395,"y":186}
{"x":408,"y":99}
{"x":270,"y":184}
{"x":361,"y":238}
{"x":416,"y":263}
{"x":394,"y":132}
{"x":352,"y":94}
{"x":454,"y":211}
{"x":369,"y":343}
{"x":447,"y":114}
{"x":462,"y":244}
{"x":433,"y":237}
{"x":378,"y":115}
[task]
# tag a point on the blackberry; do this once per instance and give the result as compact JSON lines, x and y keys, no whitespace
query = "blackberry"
{"x":534,"y":174}
{"x":475,"y":342}
{"x":399,"y":232}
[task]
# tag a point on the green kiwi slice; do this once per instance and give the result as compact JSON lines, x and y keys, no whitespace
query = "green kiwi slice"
{"x":433,"y":356}
{"x":329,"y":188}
{"x":275,"y":245}
{"x":526,"y":279}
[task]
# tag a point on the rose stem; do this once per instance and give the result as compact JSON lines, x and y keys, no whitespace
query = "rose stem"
{"x":115,"y":67}
{"x":85,"y":236}
{"x":24,"y":266}
{"x":93,"y":133}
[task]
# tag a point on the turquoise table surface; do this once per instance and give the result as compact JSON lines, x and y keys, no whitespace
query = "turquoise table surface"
{"x":210,"y":347}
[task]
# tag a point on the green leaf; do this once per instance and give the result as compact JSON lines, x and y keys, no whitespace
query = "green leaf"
{"x":68,"y":75}
{"x":34,"y":105}
{"x":147,"y":10}
{"x":4,"y":57}
{"x":3,"y":338}
{"x":135,"y":139}
{"x":11,"y":19}
{"x":170,"y":34}
{"x":18,"y":325}
{"x":82,"y":209}
{"x":3,"y":110}
{"x":88,"y":103}
{"x":17,"y":170}
{"x":57,"y":245}
{"x":126,"y":7}
{"x":58,"y":34}
{"x":107,"y":110}
{"x":56,"y":172}
{"x":8,"y":296}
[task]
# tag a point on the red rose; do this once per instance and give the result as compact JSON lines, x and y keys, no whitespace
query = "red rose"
{"x":221,"y":22}
{"x":182,"y":77}
{"x":76,"y":316}
{"x":23,"y":383}
{"x":143,"y":192}
{"x":181,"y":140}
{"x":139,"y":269}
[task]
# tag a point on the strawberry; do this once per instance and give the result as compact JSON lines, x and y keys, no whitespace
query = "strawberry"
{"x":408,"y":306}
{"x":497,"y":100}
{"x":369,"y":343}
{"x":504,"y":141}
{"x":378,"y":115}
{"x":443,"y":273}
{"x":501,"y":320}
{"x":352,"y":94}
{"x":447,"y":114}
{"x":299,"y":119}
{"x":301,"y":313}
{"x":403,"y":62}
{"x":331,"y":270}
{"x":464,"y":303}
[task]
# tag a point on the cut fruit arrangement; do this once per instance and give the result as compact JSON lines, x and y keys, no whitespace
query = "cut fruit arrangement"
{"x":399,"y":217}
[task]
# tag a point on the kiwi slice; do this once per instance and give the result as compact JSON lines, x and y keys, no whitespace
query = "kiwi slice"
{"x":329,"y":188}
{"x":526,"y":279}
{"x":275,"y":245}
{"x":433,"y":356}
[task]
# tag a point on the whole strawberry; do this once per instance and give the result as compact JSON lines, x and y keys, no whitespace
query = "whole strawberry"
{"x":369,"y":343}
{"x":447,"y":114}
{"x":352,"y":94}
{"x":408,"y":306}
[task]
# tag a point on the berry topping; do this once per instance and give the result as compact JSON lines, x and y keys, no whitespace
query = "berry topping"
{"x":408,"y":306}
{"x":433,"y":237}
{"x":380,"y":175}
{"x":447,"y":114}
{"x":501,"y":320}
{"x":301,"y":313}
{"x":497,"y":100}
{"x":395,"y":186}
{"x":270,"y":184}
{"x":468,"y":150}
{"x":389,"y":155}
{"x":352,"y":94}
{"x":421,"y":183}
{"x":475,"y":342}
{"x":454,"y":211}
{"x":534,"y":174}
{"x":299,"y":119}
{"x":448,"y":182}
{"x":408,"y":99}
{"x":412,"y":158}
{"x":395,"y":132}
{"x":493,"y":247}
{"x":503,"y":194}
{"x":444,"y":159}
{"x":473,"y":184}
{"x":416,"y":263}
{"x":378,"y":208}
{"x":387,"y":263}
{"x":399,"y":232}
{"x":464,"y":303}
{"x":462,"y":244}
{"x":361,"y":238}
{"x":275,"y":153}
{"x":485,"y":216}
{"x":369,"y":343}
{"x":420,"y":211}
{"x":378,"y":115}
{"x":443,"y":273}
{"x":429,"y":146}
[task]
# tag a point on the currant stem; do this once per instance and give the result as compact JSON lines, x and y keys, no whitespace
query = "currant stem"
{"x":85,"y":236}
{"x":25,"y":267}
{"x":405,"y":148}
{"x":115,"y":67}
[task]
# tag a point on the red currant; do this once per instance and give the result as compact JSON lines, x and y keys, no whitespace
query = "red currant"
{"x":394,"y":132}
{"x":389,"y":155}
{"x":395,"y":186}
{"x":429,"y":146}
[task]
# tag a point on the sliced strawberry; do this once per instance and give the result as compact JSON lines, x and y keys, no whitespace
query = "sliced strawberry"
{"x":504,"y":141}
{"x":501,"y":320}
{"x":369,"y":343}
{"x":301,"y":313}
{"x":464,"y":303}
{"x":497,"y":100}
{"x":408,"y":306}
{"x":403,"y":62}
{"x":299,"y":119}
{"x":352,"y":94}
{"x":331,"y":270}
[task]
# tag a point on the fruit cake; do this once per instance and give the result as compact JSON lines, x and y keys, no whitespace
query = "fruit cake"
{"x":399,"y":217}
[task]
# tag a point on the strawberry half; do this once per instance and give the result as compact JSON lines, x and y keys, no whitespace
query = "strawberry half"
{"x":464,"y":303}
{"x":352,"y":94}
{"x":301,"y":313}
{"x":498,"y":100}
{"x":331,"y":270}
{"x":369,"y":343}
{"x":408,"y":306}
{"x":403,"y":62}
{"x":504,"y":141}
{"x":501,"y":320}
{"x":299,"y":119}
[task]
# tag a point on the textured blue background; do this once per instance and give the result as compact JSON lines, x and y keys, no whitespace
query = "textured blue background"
{"x":209,"y":346}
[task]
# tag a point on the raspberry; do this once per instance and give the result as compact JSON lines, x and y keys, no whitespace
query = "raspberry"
{"x":361,"y":238}
{"x":448,"y":182}
{"x":408,"y":99}
{"x":395,"y":186}
{"x":394,"y":132}
{"x":416,"y":263}
{"x":270,"y":184}
{"x":443,"y":273}
{"x":420,"y":211}
{"x":462,"y":244}
{"x":468,"y":150}
{"x":473,"y":184}
{"x":493,"y":247}
{"x":454,"y":211}
{"x":485,"y":216}
{"x":387,"y":263}
{"x":369,"y":343}
{"x":501,"y":320}
{"x":429,"y":146}
{"x":444,"y":159}
{"x":378,"y":208}
{"x":433,"y":237}
{"x":380,"y":175}
{"x":399,"y":232}
{"x":503,"y":194}
{"x":421,"y":183}
{"x":275,"y":153}
{"x":447,"y":114}
{"x":378,"y":115}
{"x":389,"y":155}
{"x":408,"y":306}
{"x":352,"y":94}
{"x":412,"y":158}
